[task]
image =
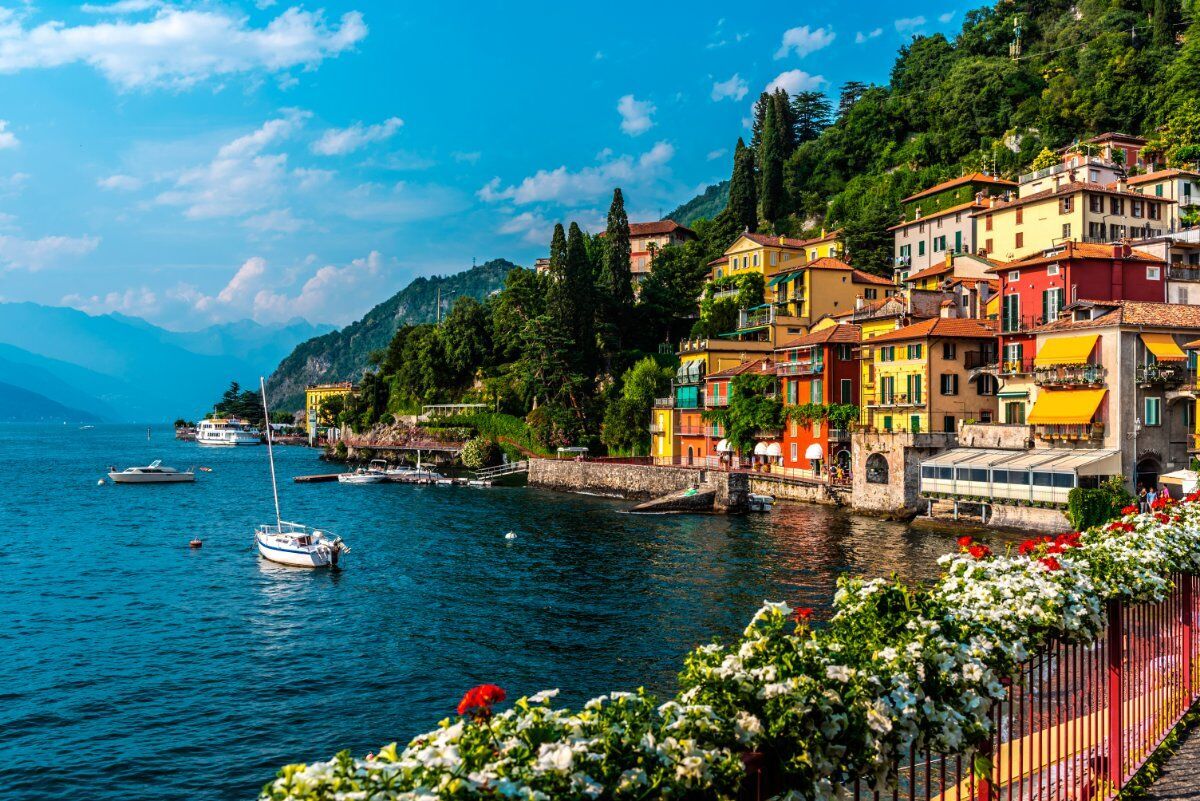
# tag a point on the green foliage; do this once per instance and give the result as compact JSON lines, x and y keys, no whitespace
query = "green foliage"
{"x":479,"y":453}
{"x":839,"y":415}
{"x":627,"y":417}
{"x":1088,"y":507}
{"x":1045,"y":158}
{"x":743,"y":191}
{"x":751,"y":410}
{"x":704,"y":206}
{"x":244,"y":404}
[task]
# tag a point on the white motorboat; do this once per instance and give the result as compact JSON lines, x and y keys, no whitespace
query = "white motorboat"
{"x":227,"y":432}
{"x":361,"y":476}
{"x":153,"y":473}
{"x":289,"y":543}
{"x":759,"y":503}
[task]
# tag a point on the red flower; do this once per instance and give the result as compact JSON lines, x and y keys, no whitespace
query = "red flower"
{"x":1129,"y":510}
{"x":965,"y":541}
{"x":1120,"y":526}
{"x":1050,"y":563}
{"x":979,"y":551}
{"x":1162,"y":518}
{"x":1193,"y":497}
{"x":1070,"y":540}
{"x":1054,"y":547}
{"x":478,"y":701}
{"x":1030,"y":545}
{"x":1160,"y":503}
{"x":802,"y":614}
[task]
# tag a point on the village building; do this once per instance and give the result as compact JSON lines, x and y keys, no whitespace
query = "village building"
{"x":937,"y":221}
{"x":1181,"y":186}
{"x":648,"y":238}
{"x":1181,"y":251}
{"x":817,"y":371}
{"x":316,"y":396}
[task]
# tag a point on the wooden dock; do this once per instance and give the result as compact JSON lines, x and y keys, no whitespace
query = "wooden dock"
{"x":317,"y":479}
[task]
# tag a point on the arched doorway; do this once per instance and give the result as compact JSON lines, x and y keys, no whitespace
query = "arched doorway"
{"x":877,"y":469}
{"x":690,"y":455}
{"x":1148,"y":470}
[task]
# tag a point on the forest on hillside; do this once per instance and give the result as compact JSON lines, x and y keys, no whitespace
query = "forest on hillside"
{"x":579,"y":357}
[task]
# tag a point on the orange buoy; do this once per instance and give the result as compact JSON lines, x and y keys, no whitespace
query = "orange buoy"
{"x":195,"y":544}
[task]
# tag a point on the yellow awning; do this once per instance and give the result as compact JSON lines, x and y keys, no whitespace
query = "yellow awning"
{"x":1065,"y":350}
{"x":1066,"y":406}
{"x":1163,"y":347}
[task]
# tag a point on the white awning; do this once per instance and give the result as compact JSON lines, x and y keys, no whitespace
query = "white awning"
{"x":760,"y":449}
{"x":814,"y":451}
{"x":723,"y":446}
{"x":774,"y":449}
{"x":1082,"y":462}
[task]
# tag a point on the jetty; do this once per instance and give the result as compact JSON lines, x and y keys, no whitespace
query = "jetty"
{"x":317,"y":479}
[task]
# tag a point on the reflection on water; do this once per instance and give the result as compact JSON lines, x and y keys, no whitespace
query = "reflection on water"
{"x":177,"y":673}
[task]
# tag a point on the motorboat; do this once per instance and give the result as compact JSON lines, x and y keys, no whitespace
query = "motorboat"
{"x":361,"y":476}
{"x":759,"y":503}
{"x":227,"y":432}
{"x":288,"y":543}
{"x":153,"y":473}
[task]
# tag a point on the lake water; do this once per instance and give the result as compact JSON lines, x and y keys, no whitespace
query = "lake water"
{"x":136,"y":667}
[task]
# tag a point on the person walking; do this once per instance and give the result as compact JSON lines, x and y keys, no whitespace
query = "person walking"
{"x":1141,"y":496}
{"x":1151,"y":496}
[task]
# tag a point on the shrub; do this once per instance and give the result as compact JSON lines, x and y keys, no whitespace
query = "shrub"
{"x":479,"y":453}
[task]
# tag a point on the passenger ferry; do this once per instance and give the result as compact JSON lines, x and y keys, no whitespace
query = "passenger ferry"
{"x":227,"y":432}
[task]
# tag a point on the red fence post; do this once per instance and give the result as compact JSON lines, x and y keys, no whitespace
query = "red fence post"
{"x":983,"y":784}
{"x":1116,"y":646}
{"x":1188,"y":622}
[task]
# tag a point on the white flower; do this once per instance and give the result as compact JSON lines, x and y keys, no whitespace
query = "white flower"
{"x":747,"y":728}
{"x":543,"y":696}
{"x":838,"y":672}
{"x":554,"y":758}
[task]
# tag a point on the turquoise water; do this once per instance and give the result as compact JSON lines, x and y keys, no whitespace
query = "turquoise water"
{"x":135,"y":667}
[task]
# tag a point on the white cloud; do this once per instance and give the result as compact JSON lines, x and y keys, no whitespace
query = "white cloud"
{"x":178,"y":47}
{"x":467,"y":158}
{"x":735,"y":88}
{"x":860,"y":37}
{"x":561,"y":185}
{"x":340,"y":141}
{"x":121,"y":7}
{"x":909,"y":24}
{"x":713,"y":155}
{"x":12,"y":184}
{"x":137,"y":301}
{"x":635,"y":115}
{"x":37,"y":254}
{"x":944,"y":18}
{"x":804,"y":40}
{"x":336,"y":294}
{"x":123,"y":183}
{"x":532,"y":226}
{"x":276,"y":221}
{"x":400,"y":202}
{"x":241,"y":178}
{"x":8,"y":139}
{"x":796,"y":81}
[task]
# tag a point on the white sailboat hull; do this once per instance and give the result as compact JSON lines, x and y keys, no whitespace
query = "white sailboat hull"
{"x":294,"y":556}
{"x":152,"y":478}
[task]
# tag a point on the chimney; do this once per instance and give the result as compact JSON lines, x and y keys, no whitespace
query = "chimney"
{"x":1122,"y":184}
{"x":917,"y":213}
{"x":947,"y":310}
{"x":858,"y":302}
{"x":979,"y":197}
{"x":781,"y":239}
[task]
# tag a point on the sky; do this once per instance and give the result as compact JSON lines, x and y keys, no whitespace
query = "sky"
{"x":199,"y":163}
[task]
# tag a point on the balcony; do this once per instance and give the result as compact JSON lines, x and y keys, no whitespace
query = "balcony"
{"x":1164,"y":374}
{"x":1084,"y":432}
{"x":977,"y":360}
{"x":1015,"y":324}
{"x":1183,"y":273}
{"x":716,"y":401}
{"x":1016,"y":367}
{"x":664,"y":403}
{"x":725,"y":293}
{"x":897,"y":401}
{"x":799,"y":368}
{"x":656,"y":428}
{"x":758,"y":317}
{"x":692,"y":430}
{"x":1088,"y":161}
{"x":1062,"y":375}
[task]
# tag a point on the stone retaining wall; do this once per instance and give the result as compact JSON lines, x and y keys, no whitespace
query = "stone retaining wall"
{"x":633,"y":481}
{"x":790,"y":490}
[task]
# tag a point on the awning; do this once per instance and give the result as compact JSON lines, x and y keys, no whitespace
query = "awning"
{"x":814,"y":451}
{"x":1163,"y":347}
{"x":1065,"y":350}
{"x":760,"y":449}
{"x":723,"y":446}
{"x":1066,"y":407}
{"x":774,"y":449}
{"x":780,"y":278}
{"x":1013,"y":393}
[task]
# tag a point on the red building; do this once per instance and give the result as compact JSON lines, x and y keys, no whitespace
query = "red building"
{"x":1034,"y":290}
{"x":818,"y":368}
{"x":716,"y":450}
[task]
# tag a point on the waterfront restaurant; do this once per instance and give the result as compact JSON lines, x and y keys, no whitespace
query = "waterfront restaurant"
{"x":1042,"y":475}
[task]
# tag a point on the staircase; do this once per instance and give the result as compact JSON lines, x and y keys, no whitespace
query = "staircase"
{"x":511,"y":468}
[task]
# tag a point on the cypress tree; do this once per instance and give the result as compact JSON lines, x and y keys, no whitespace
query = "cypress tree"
{"x":851,"y":92}
{"x":785,"y":121}
{"x":743,"y":192}
{"x":770,"y":160}
{"x":615,"y":275}
{"x":760,"y":116}
{"x":558,"y":251}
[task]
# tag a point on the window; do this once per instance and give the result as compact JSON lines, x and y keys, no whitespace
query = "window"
{"x":1014,"y":413}
{"x":795,"y":451}
{"x":1066,"y":205}
{"x":1014,"y":355}
{"x":939,"y":243}
{"x":986,"y":385}
{"x":816,"y":391}
{"x":1052,"y":304}
{"x":1010,"y":313}
{"x":846,"y":391}
{"x":958,"y":246}
{"x":1066,"y":231}
{"x":1152,"y":272}
{"x":1014,"y":275}
{"x":774,"y":258}
{"x":1096,"y":204}
{"x":921,"y":248}
{"x":905,"y":251}
{"x":914,"y":423}
{"x":1137,"y":208}
{"x":719,"y":271}
{"x":1020,"y":216}
{"x":987,"y":246}
{"x":1155,"y":210}
{"x":949,"y":350}
{"x":877,"y":466}
{"x":1158,"y":191}
{"x":921,"y":228}
{"x":887,"y":353}
{"x":1096,"y":231}
{"x":887,"y":426}
{"x":914,"y":389}
{"x":869,"y":294}
{"x":949,"y":384}
{"x":1116,"y":205}
{"x":1153,"y":415}
{"x":948,"y":423}
{"x":1052,"y":269}
{"x":845,"y":351}
{"x":985,"y":416}
{"x":987,"y":222}
{"x":1019,"y":240}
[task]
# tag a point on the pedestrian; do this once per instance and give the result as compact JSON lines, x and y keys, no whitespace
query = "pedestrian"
{"x":1141,"y":496}
{"x":1164,"y":492}
{"x":1151,"y":495}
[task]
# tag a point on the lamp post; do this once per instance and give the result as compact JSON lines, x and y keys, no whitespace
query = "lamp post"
{"x":1137,"y":426}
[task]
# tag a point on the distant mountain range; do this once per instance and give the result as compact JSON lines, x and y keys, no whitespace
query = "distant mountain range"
{"x":19,"y":405}
{"x":343,"y":355}
{"x":706,"y":205}
{"x":120,"y":368}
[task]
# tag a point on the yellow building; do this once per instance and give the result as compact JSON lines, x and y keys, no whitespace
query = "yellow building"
{"x":767,"y":255}
{"x":315,"y":396}
{"x":921,"y":374}
{"x":1084,"y":212}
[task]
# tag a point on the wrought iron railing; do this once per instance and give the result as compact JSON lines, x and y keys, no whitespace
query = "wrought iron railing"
{"x":1069,"y":375}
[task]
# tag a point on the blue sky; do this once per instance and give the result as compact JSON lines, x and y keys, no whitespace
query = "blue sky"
{"x":193,"y":163}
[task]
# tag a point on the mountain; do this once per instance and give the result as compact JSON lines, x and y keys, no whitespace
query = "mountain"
{"x":19,"y":405}
{"x":343,"y":355}
{"x":124,"y":368}
{"x":706,"y":205}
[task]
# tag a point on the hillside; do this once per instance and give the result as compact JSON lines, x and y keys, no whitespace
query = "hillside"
{"x":343,"y":355}
{"x":19,"y":405}
{"x":703,"y":206}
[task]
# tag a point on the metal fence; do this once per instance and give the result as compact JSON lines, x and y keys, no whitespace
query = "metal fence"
{"x":1079,"y":722}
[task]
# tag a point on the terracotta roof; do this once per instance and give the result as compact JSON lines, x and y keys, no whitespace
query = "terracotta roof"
{"x":1104,"y":137}
{"x":1071,"y":250}
{"x":1160,"y":175}
{"x":788,"y":242}
{"x":657,"y":227}
{"x":952,"y":210}
{"x":744,"y":367}
{"x":1067,"y":190}
{"x":718,"y":260}
{"x":1193,"y":345}
{"x":972,"y":178}
{"x":941,"y":327}
{"x":971,"y":283}
{"x":843,"y":332}
{"x":931,"y":272}
{"x":1130,"y":312}
{"x":861,"y":277}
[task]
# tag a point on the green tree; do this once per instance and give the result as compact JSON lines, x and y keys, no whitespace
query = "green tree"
{"x":811,"y":111}
{"x":743,"y":189}
{"x":850,"y":93}
{"x":752,"y":411}
{"x":770,"y":159}
{"x":1045,"y":158}
{"x":466,"y":341}
{"x":480,"y":452}
{"x":615,"y":275}
{"x":627,"y":418}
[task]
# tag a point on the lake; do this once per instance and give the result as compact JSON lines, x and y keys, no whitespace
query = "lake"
{"x":137,"y":667}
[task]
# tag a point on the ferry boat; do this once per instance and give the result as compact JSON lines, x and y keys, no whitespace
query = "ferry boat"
{"x":227,"y":432}
{"x":153,"y":473}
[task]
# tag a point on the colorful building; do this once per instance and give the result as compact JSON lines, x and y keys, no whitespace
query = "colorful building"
{"x":820,"y":368}
{"x":1182,"y":186}
{"x":937,"y":221}
{"x":922,"y":376}
{"x":799,"y":296}
{"x":647,"y":238}
{"x":316,"y":395}
{"x":767,"y":255}
{"x":711,"y":442}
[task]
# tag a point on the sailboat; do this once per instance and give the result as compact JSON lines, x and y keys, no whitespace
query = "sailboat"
{"x":288,"y":543}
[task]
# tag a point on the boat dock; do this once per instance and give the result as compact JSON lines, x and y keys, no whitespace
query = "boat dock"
{"x":315,"y":479}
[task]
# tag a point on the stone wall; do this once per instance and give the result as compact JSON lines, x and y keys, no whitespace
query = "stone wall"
{"x":1028,"y":518}
{"x":762,"y":484}
{"x":632,"y":481}
{"x":995,"y":435}
{"x":902,"y":452}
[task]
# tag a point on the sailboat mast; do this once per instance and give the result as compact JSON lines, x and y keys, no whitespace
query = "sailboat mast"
{"x":262,"y":385}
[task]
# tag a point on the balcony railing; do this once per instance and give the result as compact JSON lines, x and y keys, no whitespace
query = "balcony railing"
{"x":756,"y":318}
{"x":799,"y":368}
{"x":898,"y":400}
{"x":1162,"y":375}
{"x":1016,"y":367}
{"x":725,"y":293}
{"x":715,"y":401}
{"x":664,"y":403}
{"x":974,"y":359}
{"x":1181,"y":273}
{"x":1083,"y":432}
{"x":1062,"y":375}
{"x":1015,"y":323}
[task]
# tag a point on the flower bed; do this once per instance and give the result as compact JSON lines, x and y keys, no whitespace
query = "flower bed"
{"x":896,"y":670}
